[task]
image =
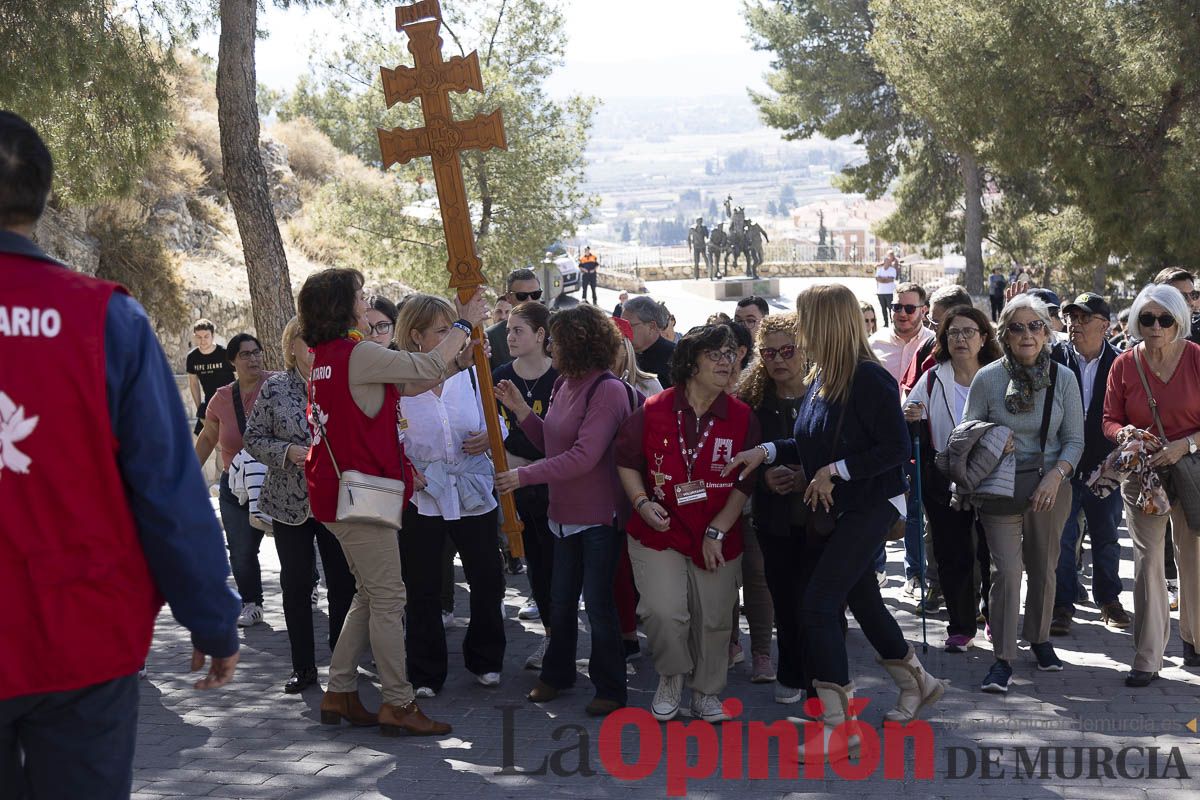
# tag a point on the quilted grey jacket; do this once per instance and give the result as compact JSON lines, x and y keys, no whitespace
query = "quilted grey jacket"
{"x":974,"y":460}
{"x":280,"y":419}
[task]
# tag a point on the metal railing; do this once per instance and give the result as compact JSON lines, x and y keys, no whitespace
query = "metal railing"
{"x":629,"y":258}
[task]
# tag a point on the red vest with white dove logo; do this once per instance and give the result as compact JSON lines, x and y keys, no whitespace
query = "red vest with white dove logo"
{"x":79,"y":602}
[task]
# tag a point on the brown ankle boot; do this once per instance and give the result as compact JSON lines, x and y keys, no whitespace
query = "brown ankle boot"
{"x":338,"y":706}
{"x":409,"y":719}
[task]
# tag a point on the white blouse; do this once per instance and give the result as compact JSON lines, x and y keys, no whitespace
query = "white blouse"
{"x":459,"y":485}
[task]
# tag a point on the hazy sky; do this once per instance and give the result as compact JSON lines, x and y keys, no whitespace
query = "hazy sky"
{"x":616,"y":48}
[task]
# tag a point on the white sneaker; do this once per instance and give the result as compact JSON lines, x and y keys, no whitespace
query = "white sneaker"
{"x":252,"y":614}
{"x":708,"y":707}
{"x":142,"y":672}
{"x":881,"y":577}
{"x":666,"y":700}
{"x":786,"y":695}
{"x":529,"y":611}
{"x":448,"y":620}
{"x":488,"y":679}
{"x":316,"y":595}
{"x":425,"y":692}
{"x":535,"y":660}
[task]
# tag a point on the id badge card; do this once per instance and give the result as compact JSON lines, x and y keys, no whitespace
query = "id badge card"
{"x":690,"y":492}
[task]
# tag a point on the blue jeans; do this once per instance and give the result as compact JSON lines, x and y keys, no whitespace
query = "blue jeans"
{"x":243,"y":541}
{"x":842,"y":576}
{"x":1103,"y":517}
{"x":586,"y":561}
{"x":75,"y":744}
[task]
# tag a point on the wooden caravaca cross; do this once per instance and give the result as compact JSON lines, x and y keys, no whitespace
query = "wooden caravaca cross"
{"x":442,"y":139}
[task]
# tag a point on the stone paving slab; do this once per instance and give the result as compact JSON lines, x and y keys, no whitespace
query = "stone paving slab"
{"x":250,"y":740}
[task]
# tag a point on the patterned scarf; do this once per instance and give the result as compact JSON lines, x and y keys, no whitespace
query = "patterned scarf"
{"x":1025,"y":382}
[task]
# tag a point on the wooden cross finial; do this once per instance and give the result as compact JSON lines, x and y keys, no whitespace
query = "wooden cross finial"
{"x":431,"y":79}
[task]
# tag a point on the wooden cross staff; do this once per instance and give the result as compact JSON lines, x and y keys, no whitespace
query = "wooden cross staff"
{"x":442,"y":139}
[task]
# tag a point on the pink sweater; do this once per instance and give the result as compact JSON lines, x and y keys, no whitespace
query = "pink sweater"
{"x":580,"y":466}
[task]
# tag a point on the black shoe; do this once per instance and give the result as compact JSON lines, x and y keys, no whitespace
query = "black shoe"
{"x":1060,"y":623}
{"x":1047,"y":659}
{"x":301,"y":679}
{"x":1190,"y":657}
{"x":633,"y":650}
{"x":1138,"y":679}
{"x":514,"y":565}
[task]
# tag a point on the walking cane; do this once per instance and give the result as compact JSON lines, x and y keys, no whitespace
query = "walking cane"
{"x":921,"y":538}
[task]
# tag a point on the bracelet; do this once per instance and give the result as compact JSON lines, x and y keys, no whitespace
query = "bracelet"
{"x":766,"y":453}
{"x":645,"y":499}
{"x":1066,"y":475}
{"x":463,"y":326}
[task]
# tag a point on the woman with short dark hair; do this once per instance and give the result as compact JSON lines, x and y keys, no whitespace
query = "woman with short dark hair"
{"x":965,"y":343}
{"x":589,"y":403}
{"x":224,"y":424}
{"x":354,"y":401}
{"x":685,"y":539}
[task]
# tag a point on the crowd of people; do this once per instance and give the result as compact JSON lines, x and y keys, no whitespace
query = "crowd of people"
{"x":756,"y":465}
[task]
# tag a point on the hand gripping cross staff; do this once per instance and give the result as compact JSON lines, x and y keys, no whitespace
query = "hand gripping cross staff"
{"x":443,"y":137}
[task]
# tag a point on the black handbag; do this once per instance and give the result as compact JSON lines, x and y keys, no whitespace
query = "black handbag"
{"x":1027,"y":478}
{"x":1183,"y":477}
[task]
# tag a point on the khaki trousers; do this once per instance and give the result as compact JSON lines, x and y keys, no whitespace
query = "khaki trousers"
{"x":1151,"y":608}
{"x":686,"y":612}
{"x":756,"y":597}
{"x":1024,"y":543}
{"x":377,"y":614}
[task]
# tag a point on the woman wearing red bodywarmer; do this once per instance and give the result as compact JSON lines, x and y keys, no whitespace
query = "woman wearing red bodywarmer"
{"x":354,"y":400}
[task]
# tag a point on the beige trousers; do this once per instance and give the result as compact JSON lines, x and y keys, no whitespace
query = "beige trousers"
{"x":1020,"y":544}
{"x":756,"y":597}
{"x":1151,"y":608}
{"x":686,"y":612}
{"x":376,"y":615}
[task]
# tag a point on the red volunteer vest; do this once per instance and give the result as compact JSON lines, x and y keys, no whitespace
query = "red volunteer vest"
{"x":370,"y":445}
{"x":689,"y":521}
{"x":79,"y":603}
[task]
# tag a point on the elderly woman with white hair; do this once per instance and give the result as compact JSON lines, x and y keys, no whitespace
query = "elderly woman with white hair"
{"x":1035,"y":398}
{"x":1153,"y":387}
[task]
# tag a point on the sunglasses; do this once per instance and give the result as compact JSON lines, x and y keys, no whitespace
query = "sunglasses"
{"x":719,"y":356}
{"x":1147,"y":320}
{"x":907,"y":308}
{"x":523,"y":296}
{"x":1194,"y":294}
{"x":380,"y":328}
{"x":1020,"y":328}
{"x":785,"y":353}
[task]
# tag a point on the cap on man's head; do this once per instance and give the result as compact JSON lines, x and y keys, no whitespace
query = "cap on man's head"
{"x":1046,"y":296}
{"x":1089,"y":303}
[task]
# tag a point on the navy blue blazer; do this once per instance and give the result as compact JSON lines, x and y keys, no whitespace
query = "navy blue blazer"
{"x":1096,"y":445}
{"x":874,"y":440}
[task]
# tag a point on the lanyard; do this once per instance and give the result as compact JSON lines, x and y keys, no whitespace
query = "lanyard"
{"x":691,"y":456}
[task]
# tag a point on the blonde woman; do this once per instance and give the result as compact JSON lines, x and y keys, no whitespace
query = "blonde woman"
{"x":626,"y":368}
{"x":854,"y":447}
{"x":446,"y":438}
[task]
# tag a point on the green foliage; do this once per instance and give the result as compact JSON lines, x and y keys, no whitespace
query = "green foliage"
{"x":522,"y":199}
{"x":133,"y":257}
{"x":93,"y":84}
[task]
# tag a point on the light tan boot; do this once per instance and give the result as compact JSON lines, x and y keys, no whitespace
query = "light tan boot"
{"x":918,"y":689}
{"x":835,"y":702}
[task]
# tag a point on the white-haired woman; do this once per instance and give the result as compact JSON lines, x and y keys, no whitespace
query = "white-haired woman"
{"x":1169,"y":366}
{"x":1030,"y":394}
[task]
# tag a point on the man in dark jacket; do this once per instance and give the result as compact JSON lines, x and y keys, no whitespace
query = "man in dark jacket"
{"x":105,"y":512}
{"x":521,"y":285}
{"x":1089,"y":356}
{"x":1185,"y":282}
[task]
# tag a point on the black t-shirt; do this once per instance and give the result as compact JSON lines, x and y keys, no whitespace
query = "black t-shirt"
{"x":656,"y":359}
{"x":213,"y":370}
{"x":537,"y":395}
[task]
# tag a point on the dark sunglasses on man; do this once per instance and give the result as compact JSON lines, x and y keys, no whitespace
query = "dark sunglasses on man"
{"x":523,"y":296}
{"x":907,"y":308}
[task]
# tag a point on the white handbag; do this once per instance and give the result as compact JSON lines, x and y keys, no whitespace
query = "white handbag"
{"x":367,"y":498}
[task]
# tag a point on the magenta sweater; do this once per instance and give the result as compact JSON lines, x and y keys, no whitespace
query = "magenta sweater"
{"x":580,"y":467}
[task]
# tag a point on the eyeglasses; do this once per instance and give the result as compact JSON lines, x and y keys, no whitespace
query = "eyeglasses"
{"x":719,"y":356}
{"x":523,"y":296}
{"x":907,"y":308}
{"x":1020,"y":328}
{"x":769,"y":353}
{"x":246,"y":355}
{"x":1147,"y":320}
{"x":963,"y":334}
{"x":380,"y":328}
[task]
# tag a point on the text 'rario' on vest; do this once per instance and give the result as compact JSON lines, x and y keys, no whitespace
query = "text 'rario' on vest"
{"x":30,"y":322}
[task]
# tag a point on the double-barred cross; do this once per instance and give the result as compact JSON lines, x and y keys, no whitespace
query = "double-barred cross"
{"x":443,"y":138}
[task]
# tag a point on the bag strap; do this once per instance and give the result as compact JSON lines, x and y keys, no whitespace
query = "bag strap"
{"x":324,"y":437}
{"x":1048,"y":410}
{"x":1153,"y":403}
{"x":239,"y":410}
